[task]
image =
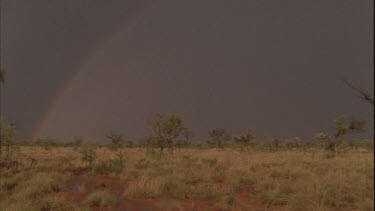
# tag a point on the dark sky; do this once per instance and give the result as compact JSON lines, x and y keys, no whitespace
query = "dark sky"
{"x":273,"y":66}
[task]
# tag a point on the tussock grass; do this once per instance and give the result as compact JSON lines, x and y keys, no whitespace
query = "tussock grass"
{"x":143,"y":188}
{"x":308,"y":179}
{"x":33,"y":189}
{"x":228,"y":202}
{"x":99,"y":198}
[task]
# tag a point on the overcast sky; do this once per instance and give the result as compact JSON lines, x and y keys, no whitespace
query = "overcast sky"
{"x":272,"y":66}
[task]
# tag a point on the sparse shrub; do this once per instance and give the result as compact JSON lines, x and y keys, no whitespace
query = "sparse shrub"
{"x":342,"y":127}
{"x":245,"y":140}
{"x":272,"y":144}
{"x":216,"y":135}
{"x":117,"y":144}
{"x":325,"y":141}
{"x":294,"y":143}
{"x":88,"y":152}
{"x":165,"y":128}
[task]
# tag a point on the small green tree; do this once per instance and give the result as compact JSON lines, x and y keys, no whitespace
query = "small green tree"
{"x":342,"y":127}
{"x":246,"y":139}
{"x":88,"y":152}
{"x":325,"y":141}
{"x":216,"y":136}
{"x":117,"y":144}
{"x":293,"y":143}
{"x":165,"y":128}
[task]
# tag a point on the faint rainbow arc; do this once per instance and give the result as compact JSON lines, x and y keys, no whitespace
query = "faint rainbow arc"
{"x":82,"y":67}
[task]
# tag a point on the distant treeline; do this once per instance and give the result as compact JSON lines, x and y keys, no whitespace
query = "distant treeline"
{"x":169,"y":132}
{"x":270,"y":144}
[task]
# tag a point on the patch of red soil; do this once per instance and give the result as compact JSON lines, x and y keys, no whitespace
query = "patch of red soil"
{"x":190,"y":204}
{"x":129,"y":205}
{"x":75,"y":197}
{"x":179,"y":205}
{"x":148,"y":202}
{"x":112,"y":208}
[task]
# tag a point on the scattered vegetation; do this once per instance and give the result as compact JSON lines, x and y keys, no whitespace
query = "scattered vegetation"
{"x":272,"y":174}
{"x":341,"y":128}
{"x":88,"y":152}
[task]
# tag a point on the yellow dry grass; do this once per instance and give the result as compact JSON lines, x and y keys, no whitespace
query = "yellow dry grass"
{"x":234,"y":179}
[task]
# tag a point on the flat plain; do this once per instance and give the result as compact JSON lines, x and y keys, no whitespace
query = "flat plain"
{"x":188,"y":179}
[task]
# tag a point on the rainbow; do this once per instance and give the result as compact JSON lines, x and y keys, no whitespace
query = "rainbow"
{"x":66,"y":87}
